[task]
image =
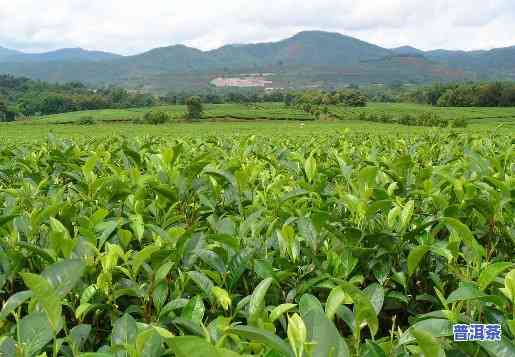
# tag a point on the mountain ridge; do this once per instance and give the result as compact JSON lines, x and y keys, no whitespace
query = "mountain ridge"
{"x":7,"y":52}
{"x":62,"y":54}
{"x":400,"y":49}
{"x":308,"y":58}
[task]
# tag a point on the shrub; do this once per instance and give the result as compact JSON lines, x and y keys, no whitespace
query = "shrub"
{"x":316,"y":113}
{"x":149,"y":244}
{"x":373,"y":117}
{"x":386,"y":118}
{"x":194,"y":108}
{"x":406,"y":119}
{"x":425,"y":119}
{"x":86,"y":120}
{"x":355,"y":99}
{"x":459,"y":123}
{"x":430,"y":119}
{"x":156,"y":117}
{"x":6,"y":114}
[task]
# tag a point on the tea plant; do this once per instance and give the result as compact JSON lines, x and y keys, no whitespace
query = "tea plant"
{"x":345,"y":245}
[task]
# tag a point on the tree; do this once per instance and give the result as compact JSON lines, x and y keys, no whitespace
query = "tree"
{"x":3,"y":106}
{"x":57,"y":103}
{"x":3,"y":110}
{"x":508,"y":96}
{"x":353,"y":98}
{"x":194,"y":108}
{"x":156,"y":117}
{"x":6,"y":113}
{"x":289,"y":99}
{"x":396,"y":84}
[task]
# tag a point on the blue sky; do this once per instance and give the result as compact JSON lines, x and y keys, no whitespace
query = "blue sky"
{"x":133,"y":26}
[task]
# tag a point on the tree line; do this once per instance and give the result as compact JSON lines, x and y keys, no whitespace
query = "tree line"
{"x":498,"y":94}
{"x":317,"y":102}
{"x":26,"y":97}
{"x":220,"y":96}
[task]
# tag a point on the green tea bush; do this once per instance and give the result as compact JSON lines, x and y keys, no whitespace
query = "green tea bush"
{"x":459,"y":123}
{"x":429,"y":119}
{"x":386,"y":118}
{"x":86,"y":120}
{"x":347,"y":244}
{"x":155,"y":117}
{"x":426,"y":119}
{"x":406,"y":119}
{"x":194,"y":108}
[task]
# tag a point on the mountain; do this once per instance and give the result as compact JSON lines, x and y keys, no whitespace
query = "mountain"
{"x":61,"y":55}
{"x":500,"y":61}
{"x":6,"y":52}
{"x":407,"y":51}
{"x":308,"y":59}
{"x":178,"y":58}
{"x":314,"y":48}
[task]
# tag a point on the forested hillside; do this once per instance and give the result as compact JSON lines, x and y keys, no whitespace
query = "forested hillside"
{"x":311,"y":58}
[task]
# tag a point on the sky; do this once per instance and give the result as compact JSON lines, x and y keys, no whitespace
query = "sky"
{"x":134,"y":26}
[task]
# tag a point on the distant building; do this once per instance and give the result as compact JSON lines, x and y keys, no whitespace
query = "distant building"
{"x":240,"y":82}
{"x":272,"y":89}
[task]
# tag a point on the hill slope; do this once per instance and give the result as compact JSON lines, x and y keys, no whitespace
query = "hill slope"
{"x":61,"y":55}
{"x":407,"y":51}
{"x":313,"y":48}
{"x":6,"y":53}
{"x":497,"y":63}
{"x":311,"y":58}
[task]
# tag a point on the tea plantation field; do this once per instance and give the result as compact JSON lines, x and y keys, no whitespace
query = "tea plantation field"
{"x":277,"y":111}
{"x":471,"y":115}
{"x":29,"y":132}
{"x":255,"y":238}
{"x":271,"y":111}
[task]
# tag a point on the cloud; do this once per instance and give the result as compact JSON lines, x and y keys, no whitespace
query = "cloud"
{"x":132,"y":26}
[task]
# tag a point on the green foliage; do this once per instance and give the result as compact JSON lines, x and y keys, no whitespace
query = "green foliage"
{"x":3,"y":106}
{"x":352,"y":98}
{"x":312,"y":244}
{"x":459,"y":123}
{"x":427,"y":119}
{"x":498,"y":94}
{"x":316,"y":102}
{"x":7,"y":114}
{"x":86,"y":120}
{"x":30,"y":97}
{"x":194,"y":108}
{"x":155,"y":117}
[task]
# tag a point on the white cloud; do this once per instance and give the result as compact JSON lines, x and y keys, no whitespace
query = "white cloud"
{"x":131,"y":26}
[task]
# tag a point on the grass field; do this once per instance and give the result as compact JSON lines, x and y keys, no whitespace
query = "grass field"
{"x":273,"y":111}
{"x":24,"y":133}
{"x":220,"y":120}
{"x":277,"y":111}
{"x":473,"y":116}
